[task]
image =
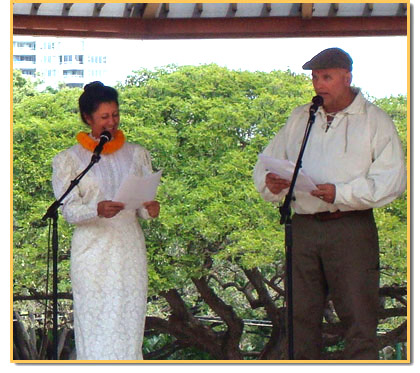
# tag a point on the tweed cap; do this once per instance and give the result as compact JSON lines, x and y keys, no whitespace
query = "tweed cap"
{"x":328,"y":59}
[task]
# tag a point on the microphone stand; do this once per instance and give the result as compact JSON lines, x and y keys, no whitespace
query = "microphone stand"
{"x":53,"y":215}
{"x":285,"y":212}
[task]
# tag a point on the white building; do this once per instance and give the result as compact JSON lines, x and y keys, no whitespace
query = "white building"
{"x":54,"y":60}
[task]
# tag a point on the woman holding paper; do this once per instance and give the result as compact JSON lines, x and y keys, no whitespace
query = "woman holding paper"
{"x":108,"y":252}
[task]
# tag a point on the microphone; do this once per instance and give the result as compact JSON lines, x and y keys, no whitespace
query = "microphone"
{"x":104,"y":138}
{"x":317,"y":101}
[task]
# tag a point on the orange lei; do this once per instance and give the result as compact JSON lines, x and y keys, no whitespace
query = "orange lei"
{"x":110,"y":147}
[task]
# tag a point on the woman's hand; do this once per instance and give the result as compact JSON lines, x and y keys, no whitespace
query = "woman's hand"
{"x":153,"y":207}
{"x":109,"y":209}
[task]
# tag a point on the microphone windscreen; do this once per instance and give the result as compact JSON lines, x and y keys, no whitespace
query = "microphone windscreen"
{"x":106,"y":135}
{"x":318,"y":100}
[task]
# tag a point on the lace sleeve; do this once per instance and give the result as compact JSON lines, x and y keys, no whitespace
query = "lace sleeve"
{"x":80,"y":206}
{"x":142,"y":167}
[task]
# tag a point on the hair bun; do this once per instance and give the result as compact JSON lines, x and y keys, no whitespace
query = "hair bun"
{"x":93,"y":85}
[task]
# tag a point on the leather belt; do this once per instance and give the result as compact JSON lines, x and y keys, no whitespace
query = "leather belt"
{"x":326,"y":216}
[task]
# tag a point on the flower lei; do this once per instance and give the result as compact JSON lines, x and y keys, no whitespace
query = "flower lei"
{"x":110,"y":147}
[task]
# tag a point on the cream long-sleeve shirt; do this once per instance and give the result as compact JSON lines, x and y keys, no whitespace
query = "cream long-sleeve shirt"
{"x":360,"y":153}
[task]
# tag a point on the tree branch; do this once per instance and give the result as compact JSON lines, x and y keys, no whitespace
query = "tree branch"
{"x":397,"y":335}
{"x":235,"y":325}
{"x":273,"y":348}
{"x":187,"y":329}
{"x":245,"y":290}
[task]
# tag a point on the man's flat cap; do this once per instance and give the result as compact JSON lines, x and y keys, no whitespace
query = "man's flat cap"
{"x":328,"y":59}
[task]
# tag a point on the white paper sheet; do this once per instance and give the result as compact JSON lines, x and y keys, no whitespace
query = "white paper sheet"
{"x":135,"y":190}
{"x":285,"y":168}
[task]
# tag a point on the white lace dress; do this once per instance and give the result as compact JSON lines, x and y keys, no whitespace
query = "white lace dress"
{"x":108,"y":256}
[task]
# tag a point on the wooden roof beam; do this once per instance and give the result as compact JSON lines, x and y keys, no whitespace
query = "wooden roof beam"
{"x":34,"y":8}
{"x":137,"y":10}
{"x":195,"y":28}
{"x":150,"y":10}
{"x":66,"y":9}
{"x":127,"y":10}
{"x":332,"y":12}
{"x":367,"y":11}
{"x":233,"y":8}
{"x":164,"y":11}
{"x":142,"y":10}
{"x":97,"y":9}
{"x":266,"y":9}
{"x":198,"y":10}
{"x":307,"y":10}
{"x":402,"y":9}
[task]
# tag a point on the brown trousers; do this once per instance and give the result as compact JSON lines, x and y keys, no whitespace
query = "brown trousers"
{"x":339,"y":258}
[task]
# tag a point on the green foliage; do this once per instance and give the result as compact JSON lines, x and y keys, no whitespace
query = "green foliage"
{"x":392,"y":219}
{"x":22,"y":87}
{"x":44,"y":124}
{"x":160,"y":342}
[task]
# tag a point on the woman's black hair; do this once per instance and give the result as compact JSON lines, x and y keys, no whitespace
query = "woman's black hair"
{"x":94,"y":94}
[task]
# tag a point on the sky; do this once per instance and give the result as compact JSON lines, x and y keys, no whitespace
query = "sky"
{"x":379,"y":63}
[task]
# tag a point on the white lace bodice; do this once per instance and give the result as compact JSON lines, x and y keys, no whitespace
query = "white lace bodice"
{"x":100,"y":183}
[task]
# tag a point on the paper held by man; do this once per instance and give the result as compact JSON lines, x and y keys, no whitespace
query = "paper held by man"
{"x":135,"y":190}
{"x":285,"y":168}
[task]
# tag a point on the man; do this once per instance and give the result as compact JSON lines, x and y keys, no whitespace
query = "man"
{"x":355,"y":158}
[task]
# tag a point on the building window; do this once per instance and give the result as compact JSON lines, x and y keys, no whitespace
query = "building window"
{"x":73,"y":73}
{"x":75,"y":85}
{"x":96,"y":73}
{"x":28,"y":72}
{"x":65,"y":59}
{"x":24,"y":59}
{"x":24,"y":44}
{"x":49,"y":45}
{"x":79,"y":58}
{"x":96,"y":59}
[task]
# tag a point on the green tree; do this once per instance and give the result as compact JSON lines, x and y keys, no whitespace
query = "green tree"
{"x":22,"y":87}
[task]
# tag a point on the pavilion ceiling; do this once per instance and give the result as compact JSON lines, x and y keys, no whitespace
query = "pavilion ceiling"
{"x":209,"y":20}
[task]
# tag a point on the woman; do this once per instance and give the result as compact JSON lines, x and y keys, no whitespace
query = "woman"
{"x":108,"y":253}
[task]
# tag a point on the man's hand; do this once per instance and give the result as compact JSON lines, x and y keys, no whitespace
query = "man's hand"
{"x":275,"y":183}
{"x":326,"y":192}
{"x":109,"y":209}
{"x":153,"y":207}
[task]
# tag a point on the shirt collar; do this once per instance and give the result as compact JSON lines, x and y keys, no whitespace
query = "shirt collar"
{"x":358,"y":104}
